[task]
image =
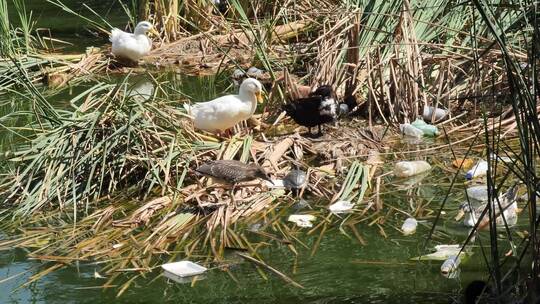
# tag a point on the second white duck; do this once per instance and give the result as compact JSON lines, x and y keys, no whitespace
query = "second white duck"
{"x":132,"y":46}
{"x":225,"y":112}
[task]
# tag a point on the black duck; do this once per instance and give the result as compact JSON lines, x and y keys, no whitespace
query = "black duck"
{"x":317,"y":109}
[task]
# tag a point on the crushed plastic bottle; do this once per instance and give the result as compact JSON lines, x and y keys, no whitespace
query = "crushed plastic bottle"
{"x":478,"y":170}
{"x":479,"y":193}
{"x":450,"y":265}
{"x":439,"y":113}
{"x":410,"y":168}
{"x":410,"y":130}
{"x":429,"y":130}
{"x":409,"y":226}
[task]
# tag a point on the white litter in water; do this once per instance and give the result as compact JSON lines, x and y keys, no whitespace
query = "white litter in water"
{"x":442,"y":252}
{"x":341,"y":207}
{"x":184,"y":268}
{"x":504,"y":159}
{"x":479,"y":193}
{"x":450,"y":265}
{"x":302,"y":220}
{"x":410,"y":168}
{"x":409,"y":226}
{"x":480,"y":169}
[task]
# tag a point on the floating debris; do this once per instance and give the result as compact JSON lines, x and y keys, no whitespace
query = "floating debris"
{"x":184,"y":269}
{"x":504,"y":159}
{"x":478,"y":193}
{"x":295,"y":179}
{"x":480,"y":169}
{"x":409,"y":226}
{"x":410,"y":130}
{"x":302,"y":220}
{"x":443,"y":252}
{"x":439,"y":113}
{"x":341,"y":207}
{"x":410,"y":168}
{"x":450,"y":265}
{"x":427,"y":129}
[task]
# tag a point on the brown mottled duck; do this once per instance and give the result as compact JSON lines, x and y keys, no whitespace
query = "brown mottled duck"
{"x":232,"y":171}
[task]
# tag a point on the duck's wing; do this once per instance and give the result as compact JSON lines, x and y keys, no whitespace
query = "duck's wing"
{"x":228,"y":106}
{"x":230,"y":170}
{"x":118,"y":35}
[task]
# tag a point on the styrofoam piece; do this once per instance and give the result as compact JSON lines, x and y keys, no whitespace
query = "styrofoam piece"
{"x":302,"y":220}
{"x":184,"y":268}
{"x":341,"y":207}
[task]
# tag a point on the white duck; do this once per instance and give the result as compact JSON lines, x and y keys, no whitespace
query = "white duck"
{"x":225,"y":112}
{"x":132,"y":46}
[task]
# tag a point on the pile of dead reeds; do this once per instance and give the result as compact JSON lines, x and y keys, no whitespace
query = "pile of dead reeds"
{"x":109,"y":181}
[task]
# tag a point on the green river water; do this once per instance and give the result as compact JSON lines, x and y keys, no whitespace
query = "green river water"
{"x":341,"y":271}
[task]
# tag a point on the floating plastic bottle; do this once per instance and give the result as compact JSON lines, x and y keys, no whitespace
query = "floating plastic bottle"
{"x":479,"y":193}
{"x":410,"y":168}
{"x":409,"y":226}
{"x":450,"y":265}
{"x":439,"y":113}
{"x":410,"y":130}
{"x":480,"y":169}
{"x":429,"y":130}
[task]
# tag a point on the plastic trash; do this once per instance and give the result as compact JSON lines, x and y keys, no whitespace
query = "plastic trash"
{"x":450,"y":265}
{"x":410,"y":168}
{"x":443,"y":252}
{"x":429,"y":130}
{"x":409,"y":226}
{"x":504,"y":159}
{"x":479,"y":193}
{"x":341,"y":207}
{"x":439,"y":113}
{"x":183,"y":269}
{"x":410,"y":130}
{"x":480,"y":169}
{"x":302,"y":220}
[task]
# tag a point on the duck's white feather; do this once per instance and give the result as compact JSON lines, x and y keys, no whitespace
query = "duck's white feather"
{"x":225,"y":112}
{"x":128,"y":45}
{"x":222,"y":113}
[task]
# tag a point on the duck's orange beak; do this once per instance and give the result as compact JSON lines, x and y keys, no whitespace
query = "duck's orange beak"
{"x":259,"y":97}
